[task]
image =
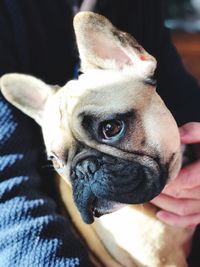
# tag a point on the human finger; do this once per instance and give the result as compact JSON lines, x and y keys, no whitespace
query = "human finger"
{"x":181,"y":207}
{"x":190,"y":221}
{"x":175,"y":192}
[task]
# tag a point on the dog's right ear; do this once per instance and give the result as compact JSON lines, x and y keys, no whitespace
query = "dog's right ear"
{"x":27,"y":93}
{"x":102,"y":46}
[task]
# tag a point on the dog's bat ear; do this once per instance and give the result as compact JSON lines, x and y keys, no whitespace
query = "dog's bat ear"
{"x":101,"y":45}
{"x":27,"y":93}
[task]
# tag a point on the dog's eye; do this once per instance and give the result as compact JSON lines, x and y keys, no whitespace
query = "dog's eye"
{"x":111,"y":128}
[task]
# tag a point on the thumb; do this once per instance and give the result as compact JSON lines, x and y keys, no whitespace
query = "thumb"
{"x":190,"y":133}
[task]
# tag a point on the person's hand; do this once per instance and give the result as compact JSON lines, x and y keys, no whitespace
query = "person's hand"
{"x":180,"y":199}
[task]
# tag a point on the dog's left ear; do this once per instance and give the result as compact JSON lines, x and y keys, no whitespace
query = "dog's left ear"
{"x":27,"y":93}
{"x":101,"y":45}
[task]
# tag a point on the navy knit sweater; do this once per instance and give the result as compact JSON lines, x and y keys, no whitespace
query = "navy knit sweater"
{"x":36,"y":37}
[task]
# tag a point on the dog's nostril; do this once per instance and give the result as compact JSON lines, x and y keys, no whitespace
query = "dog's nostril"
{"x":89,"y":165}
{"x":85,"y":169}
{"x":79,"y":174}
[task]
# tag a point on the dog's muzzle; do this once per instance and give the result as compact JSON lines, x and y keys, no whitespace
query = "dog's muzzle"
{"x":102,"y":183}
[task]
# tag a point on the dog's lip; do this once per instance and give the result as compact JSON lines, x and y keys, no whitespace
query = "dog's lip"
{"x":99,"y":210}
{"x":97,"y":213}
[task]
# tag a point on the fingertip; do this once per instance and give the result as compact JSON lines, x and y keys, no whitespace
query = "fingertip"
{"x":155,"y":201}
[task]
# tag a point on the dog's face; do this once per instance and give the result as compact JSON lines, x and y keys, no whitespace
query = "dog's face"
{"x":109,"y":133}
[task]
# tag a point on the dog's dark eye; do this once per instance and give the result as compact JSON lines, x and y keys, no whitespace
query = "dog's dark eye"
{"x":111,"y":128}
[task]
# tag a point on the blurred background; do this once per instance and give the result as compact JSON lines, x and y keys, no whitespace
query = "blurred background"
{"x":183,"y":18}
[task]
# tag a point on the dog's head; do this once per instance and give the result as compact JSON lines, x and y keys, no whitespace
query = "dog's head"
{"x":109,"y":133}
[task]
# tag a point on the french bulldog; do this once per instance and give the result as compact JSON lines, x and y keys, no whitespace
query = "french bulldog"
{"x":114,"y":143}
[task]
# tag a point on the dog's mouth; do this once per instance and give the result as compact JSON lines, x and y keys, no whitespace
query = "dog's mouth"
{"x":102,"y":207}
{"x":102,"y":184}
